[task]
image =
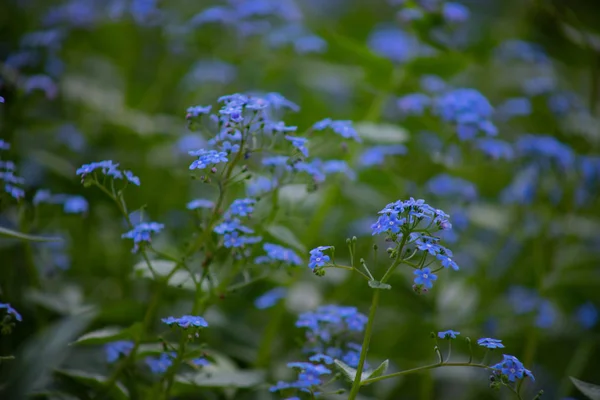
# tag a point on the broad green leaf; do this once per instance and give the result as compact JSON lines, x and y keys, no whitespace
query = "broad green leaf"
{"x":68,"y":301}
{"x":24,"y":236}
{"x":379,"y":285}
{"x":286,"y":236}
{"x":348,"y":372}
{"x":379,"y":370}
{"x":109,"y":334}
{"x":42,"y":353}
{"x":97,"y":382}
{"x":224,"y":379}
{"x":381,"y":133}
{"x":591,"y":390}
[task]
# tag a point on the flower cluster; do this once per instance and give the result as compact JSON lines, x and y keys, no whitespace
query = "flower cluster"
{"x":200,"y":203}
{"x":12,"y":182}
{"x":107,"y":168}
{"x":277,"y":253}
{"x":468,"y":110}
{"x":329,"y":330}
{"x":511,"y":369}
{"x":186,"y":321}
{"x":142,"y":233}
{"x":160,"y":364}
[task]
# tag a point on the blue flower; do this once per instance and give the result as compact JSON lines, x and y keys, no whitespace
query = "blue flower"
{"x":376,"y":155}
{"x":260,"y":185}
{"x":4,"y":145}
{"x":518,"y":50}
{"x":539,"y":85}
{"x":132,"y":178}
{"x":115,"y":350}
{"x":234,"y":240}
{"x":199,"y":203}
{"x":587,"y":315}
{"x":317,"y":258}
{"x":160,"y":364}
{"x":207,"y":158}
{"x":394,"y":44}
{"x":425,"y":277}
{"x":495,"y":148}
{"x":186,"y":321}
{"x":514,"y":107}
{"x":281,"y":127}
{"x":270,"y":298}
{"x":194,"y":111}
{"x":278,"y":253}
{"x":200,"y":362}
{"x":450,"y":334}
{"x":11,"y":311}
{"x":299,"y":143}
{"x":545,"y":149}
{"x":107,"y":167}
{"x":277,"y":101}
{"x":410,"y":14}
{"x":447,"y":262}
{"x":444,"y":185}
{"x":339,"y":166}
{"x":341,"y":127}
{"x":490,"y":343}
{"x":512,"y":368}
{"x":324,"y":358}
{"x":142,"y":232}
{"x":455,"y":13}
{"x":75,"y":205}
{"x":523,"y":188}
{"x":232,"y":225}
{"x":413,"y":104}
{"x":240,"y":208}
{"x":432,"y":84}
{"x":313,"y":168}
{"x":468,"y":109}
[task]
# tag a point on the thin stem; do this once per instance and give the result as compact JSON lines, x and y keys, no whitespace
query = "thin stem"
{"x":365,"y":346}
{"x":421,"y":369}
{"x":449,"y":350}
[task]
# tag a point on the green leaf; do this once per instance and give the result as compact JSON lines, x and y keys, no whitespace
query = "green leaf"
{"x":589,"y":389}
{"x":224,"y":379}
{"x":348,"y":372}
{"x":379,"y":285}
{"x":23,"y":236}
{"x":109,"y":334}
{"x":379,"y":370}
{"x":97,"y":382}
{"x":381,"y":133}
{"x":286,"y":236}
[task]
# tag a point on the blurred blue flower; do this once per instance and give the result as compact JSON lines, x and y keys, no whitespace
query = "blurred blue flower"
{"x":270,"y":298}
{"x":260,"y":185}
{"x":425,"y":277}
{"x":433,"y":84}
{"x":278,"y":253}
{"x":341,"y":127}
{"x":495,"y":148}
{"x":562,"y":103}
{"x":518,"y":50}
{"x":523,"y":300}
{"x":160,"y":364}
{"x":450,"y":334}
{"x":321,"y":358}
{"x":338,"y":166}
{"x":195,"y":111}
{"x":546,"y":316}
{"x":299,"y":143}
{"x":490,"y":343}
{"x":539,"y":85}
{"x":376,"y":155}
{"x":11,"y":311}
{"x":522,"y":189}
{"x":413,"y":104}
{"x":75,"y":205}
{"x":199,"y":203}
{"x":186,"y":321}
{"x":587,"y":315}
{"x":455,"y":13}
{"x":444,"y":185}
{"x":544,"y":149}
{"x":514,"y":107}
{"x":115,"y":350}
{"x":207,"y":158}
{"x":394,"y":44}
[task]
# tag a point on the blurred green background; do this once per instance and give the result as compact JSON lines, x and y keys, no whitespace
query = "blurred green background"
{"x":119,"y":77}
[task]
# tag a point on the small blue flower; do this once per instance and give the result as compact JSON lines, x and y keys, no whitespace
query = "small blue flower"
{"x":413,"y":104}
{"x":186,"y":321}
{"x":376,"y":155}
{"x":450,"y":334}
{"x":107,"y":167}
{"x":468,"y":110}
{"x":75,"y":205}
{"x":455,"y":13}
{"x":240,"y":208}
{"x":339,"y":166}
{"x":394,"y":44}
{"x":490,"y":343}
{"x":324,"y":358}
{"x":433,"y":84}
{"x":199,"y":203}
{"x":232,"y":225}
{"x":278,"y":253}
{"x":444,"y":185}
{"x":343,"y":128}
{"x":447,"y":262}
{"x":132,"y":178}
{"x":587,"y":315}
{"x":514,"y":107}
{"x":280,"y":127}
{"x":141,"y":233}
{"x":11,"y":311}
{"x":317,"y":258}
{"x":200,"y":362}
{"x":495,"y":148}
{"x":4,"y":145}
{"x":160,"y":364}
{"x":260,"y":185}
{"x":425,"y":277}
{"x":512,"y":368}
{"x":195,"y":111}
{"x":539,"y":85}
{"x":115,"y":350}
{"x":207,"y":158}
{"x":299,"y":143}
{"x":270,"y":298}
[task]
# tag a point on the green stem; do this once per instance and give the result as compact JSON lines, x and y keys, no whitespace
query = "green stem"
{"x":365,"y":346}
{"x":421,"y":369}
{"x":270,"y":333}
